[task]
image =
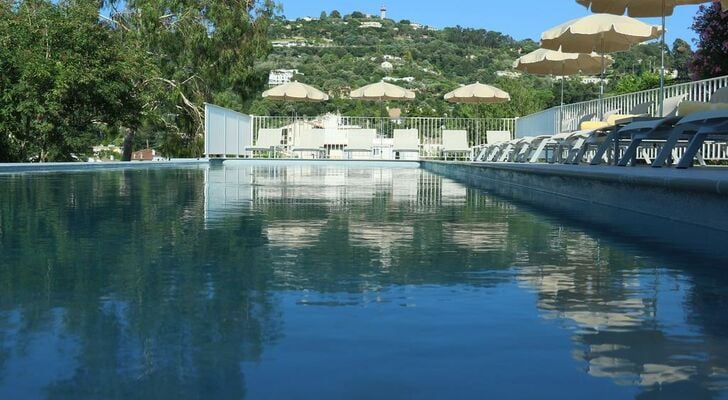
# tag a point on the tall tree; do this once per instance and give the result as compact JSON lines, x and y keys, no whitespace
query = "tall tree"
{"x":682,"y":54}
{"x":199,"y":51}
{"x":711,"y":56}
{"x":63,"y":80}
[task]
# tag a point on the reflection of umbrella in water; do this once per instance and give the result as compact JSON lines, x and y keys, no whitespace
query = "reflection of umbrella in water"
{"x":558,"y":63}
{"x":603,"y":33}
{"x":645,"y":8}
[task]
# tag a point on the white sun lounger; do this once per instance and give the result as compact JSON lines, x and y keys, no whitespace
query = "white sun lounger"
{"x":268,"y":140}
{"x":492,"y":138}
{"x":310,"y":141}
{"x":360,"y":141}
{"x":455,"y":142}
{"x":406,"y":141}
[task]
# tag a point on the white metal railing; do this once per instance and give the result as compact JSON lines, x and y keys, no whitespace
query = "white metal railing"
{"x":429,"y":128}
{"x":547,"y":121}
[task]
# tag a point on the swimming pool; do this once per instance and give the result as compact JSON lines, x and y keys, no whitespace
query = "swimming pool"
{"x":270,"y":281}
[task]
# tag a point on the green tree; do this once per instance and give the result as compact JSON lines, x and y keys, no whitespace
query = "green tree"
{"x":636,"y":83}
{"x":682,"y":54}
{"x":198,"y":51}
{"x":711,"y":56}
{"x":64,"y":80}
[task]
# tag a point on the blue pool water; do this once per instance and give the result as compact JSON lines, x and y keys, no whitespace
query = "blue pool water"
{"x":331,"y":282}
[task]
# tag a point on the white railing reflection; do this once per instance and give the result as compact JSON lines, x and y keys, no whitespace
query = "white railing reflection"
{"x":232,"y":190}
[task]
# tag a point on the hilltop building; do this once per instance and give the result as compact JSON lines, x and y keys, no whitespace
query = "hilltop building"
{"x":383,"y":12}
{"x":408,"y":79}
{"x":508,"y":74}
{"x":281,"y":76}
{"x":370,"y":24}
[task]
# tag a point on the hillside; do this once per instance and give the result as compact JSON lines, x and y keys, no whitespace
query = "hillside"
{"x":338,"y":53}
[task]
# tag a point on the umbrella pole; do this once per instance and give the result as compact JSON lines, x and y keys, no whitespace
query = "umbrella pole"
{"x":601,"y":84}
{"x":561,"y":109}
{"x":662,"y":64}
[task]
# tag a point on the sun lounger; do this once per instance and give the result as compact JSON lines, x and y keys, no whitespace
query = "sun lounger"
{"x":310,"y":141}
{"x":492,"y":138}
{"x":406,"y":141}
{"x":455,"y":142}
{"x":508,"y":150}
{"x":640,"y":128}
{"x":495,"y":151}
{"x":268,"y":140}
{"x":360,"y":141}
{"x":529,"y":148}
{"x":688,"y":118}
{"x":701,"y":126}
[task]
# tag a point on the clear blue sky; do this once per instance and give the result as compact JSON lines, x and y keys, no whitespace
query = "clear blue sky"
{"x":521,"y":18}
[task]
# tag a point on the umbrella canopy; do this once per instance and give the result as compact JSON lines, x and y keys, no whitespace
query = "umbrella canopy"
{"x":641,"y":8}
{"x":554,"y":62}
{"x":603,"y":33}
{"x":477,"y":93}
{"x":382,"y":91}
{"x":295,"y":91}
{"x":645,"y":8}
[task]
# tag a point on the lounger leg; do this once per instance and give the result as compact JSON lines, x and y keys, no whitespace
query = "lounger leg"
{"x":506,"y":152}
{"x":630,"y":152}
{"x":686,"y":161}
{"x":538,"y":152}
{"x":666,"y":150}
{"x":700,"y":158}
{"x":602,"y":150}
{"x":580,"y":154}
{"x":577,"y":151}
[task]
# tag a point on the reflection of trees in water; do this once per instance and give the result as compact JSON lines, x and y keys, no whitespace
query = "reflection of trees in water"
{"x":159,"y":306}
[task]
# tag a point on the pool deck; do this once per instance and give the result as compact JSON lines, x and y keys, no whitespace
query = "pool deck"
{"x":706,"y":179}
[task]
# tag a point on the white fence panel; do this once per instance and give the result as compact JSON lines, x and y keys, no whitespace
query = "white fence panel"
{"x":227,"y":132}
{"x":543,"y":123}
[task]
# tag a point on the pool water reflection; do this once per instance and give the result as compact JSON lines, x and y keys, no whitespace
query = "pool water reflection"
{"x":305,"y":281}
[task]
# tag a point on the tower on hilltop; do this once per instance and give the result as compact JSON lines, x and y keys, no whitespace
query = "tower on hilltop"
{"x":383,"y":12}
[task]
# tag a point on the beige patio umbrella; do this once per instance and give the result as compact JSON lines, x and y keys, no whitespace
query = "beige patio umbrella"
{"x":645,"y":8}
{"x":641,"y":8}
{"x":477,"y":93}
{"x":295,"y":91}
{"x":603,"y":33}
{"x":558,"y":63}
{"x":381,"y":91}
